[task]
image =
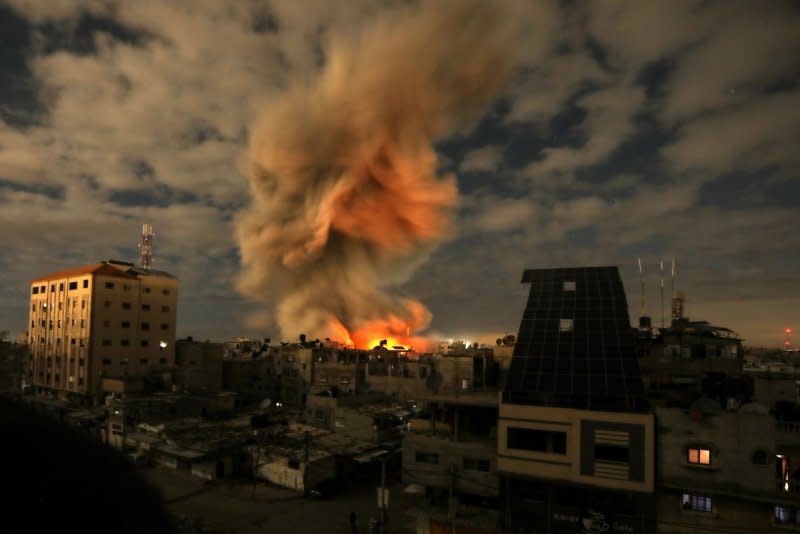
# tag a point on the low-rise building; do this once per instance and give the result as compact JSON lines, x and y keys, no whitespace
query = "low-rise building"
{"x":198,"y":365}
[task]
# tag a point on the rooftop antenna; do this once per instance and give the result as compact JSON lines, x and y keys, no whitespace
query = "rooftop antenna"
{"x":146,"y":247}
{"x":673,"y":278}
{"x":662,"y":292}
{"x":641,"y":282}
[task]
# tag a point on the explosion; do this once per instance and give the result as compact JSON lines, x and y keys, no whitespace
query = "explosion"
{"x":346,"y":200}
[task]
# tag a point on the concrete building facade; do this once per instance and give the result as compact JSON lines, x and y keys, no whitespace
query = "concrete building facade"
{"x":103,"y":320}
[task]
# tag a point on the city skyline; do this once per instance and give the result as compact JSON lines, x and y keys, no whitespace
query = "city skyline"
{"x":660,"y":130}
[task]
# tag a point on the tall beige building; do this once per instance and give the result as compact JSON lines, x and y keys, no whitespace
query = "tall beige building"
{"x":106,"y":319}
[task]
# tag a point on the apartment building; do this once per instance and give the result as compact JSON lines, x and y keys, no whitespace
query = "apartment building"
{"x":575,"y":448}
{"x":104,"y":320}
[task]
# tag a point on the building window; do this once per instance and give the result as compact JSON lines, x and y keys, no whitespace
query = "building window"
{"x":124,"y":342}
{"x":125,"y":324}
{"x":344,"y":380}
{"x":427,"y":458}
{"x":760,"y":457}
{"x":144,"y":343}
{"x":61,"y":286}
{"x":107,"y":304}
{"x":476,"y":464}
{"x":53,"y":288}
{"x":72,"y":341}
{"x":164,"y":308}
{"x":80,"y":381}
{"x":145,"y":326}
{"x":59,"y":324}
{"x":569,"y":285}
{"x":165,"y":292}
{"x":60,"y":306}
{"x":699,"y":456}
{"x":73,"y":285}
{"x":126,"y":287}
{"x":143,"y":361}
{"x":106,"y":323}
{"x":106,"y":361}
{"x":85,"y":284}
{"x":106,"y":342}
{"x":162,"y":360}
{"x":36,"y":290}
{"x":146,"y":289}
{"x":83,"y":304}
{"x":323,"y":379}
{"x":529,"y":439}
{"x":164,"y":326}
{"x":566,"y":325}
{"x":80,"y":362}
{"x":42,"y":289}
{"x":696,"y":503}
{"x":145,"y":307}
{"x":83,"y":323}
{"x":109,"y":285}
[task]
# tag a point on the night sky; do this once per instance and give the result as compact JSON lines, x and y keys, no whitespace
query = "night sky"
{"x":629,"y":129}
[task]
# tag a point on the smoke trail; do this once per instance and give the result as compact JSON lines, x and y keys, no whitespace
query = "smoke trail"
{"x":346,"y":200}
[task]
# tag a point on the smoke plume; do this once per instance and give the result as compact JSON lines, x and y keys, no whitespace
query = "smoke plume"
{"x":346,"y":200}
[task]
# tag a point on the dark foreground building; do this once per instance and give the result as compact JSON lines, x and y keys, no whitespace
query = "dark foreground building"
{"x":575,"y":435}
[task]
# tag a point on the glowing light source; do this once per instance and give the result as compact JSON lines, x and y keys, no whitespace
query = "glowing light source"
{"x":162,"y":344}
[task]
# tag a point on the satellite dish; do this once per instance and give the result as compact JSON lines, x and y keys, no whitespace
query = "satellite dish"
{"x":266,"y":403}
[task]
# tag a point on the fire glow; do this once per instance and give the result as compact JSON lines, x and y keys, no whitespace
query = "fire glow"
{"x":346,"y":200}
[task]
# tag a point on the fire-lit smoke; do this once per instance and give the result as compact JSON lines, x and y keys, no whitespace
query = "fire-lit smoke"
{"x":346,"y":200}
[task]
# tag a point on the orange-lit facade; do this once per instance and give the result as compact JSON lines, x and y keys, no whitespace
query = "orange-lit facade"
{"x":102,"y":320}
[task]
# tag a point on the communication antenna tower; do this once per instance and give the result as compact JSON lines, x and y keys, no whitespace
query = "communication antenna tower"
{"x":641,"y":283}
{"x":146,"y":247}
{"x":673,"y":278}
{"x":662,"y":293}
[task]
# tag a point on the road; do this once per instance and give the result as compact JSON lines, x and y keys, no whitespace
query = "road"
{"x":231,"y":507}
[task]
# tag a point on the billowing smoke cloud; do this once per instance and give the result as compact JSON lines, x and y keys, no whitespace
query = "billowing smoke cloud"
{"x":346,"y":200}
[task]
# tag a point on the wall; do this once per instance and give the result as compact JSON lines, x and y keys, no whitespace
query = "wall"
{"x":450,"y":465}
{"x":732,"y":437}
{"x":584,"y":432}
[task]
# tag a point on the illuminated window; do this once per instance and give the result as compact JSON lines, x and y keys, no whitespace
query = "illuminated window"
{"x":697,"y":503}
{"x":566,"y":325}
{"x":569,"y":286}
{"x":700,"y":456}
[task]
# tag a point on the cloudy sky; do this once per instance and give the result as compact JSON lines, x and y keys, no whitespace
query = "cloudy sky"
{"x":628,"y":129}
